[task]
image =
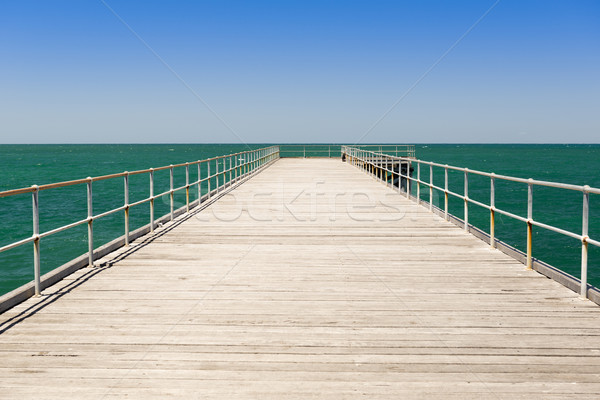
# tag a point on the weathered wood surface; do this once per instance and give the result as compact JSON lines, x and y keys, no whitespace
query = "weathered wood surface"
{"x":311,"y":280}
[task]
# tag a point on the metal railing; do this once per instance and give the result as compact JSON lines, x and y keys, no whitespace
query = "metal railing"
{"x":228,"y":170}
{"x":378,"y":164}
{"x":310,"y":150}
{"x":335,"y":150}
{"x":398,"y":150}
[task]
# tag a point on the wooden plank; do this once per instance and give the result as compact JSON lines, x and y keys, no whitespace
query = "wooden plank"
{"x":310,"y":280}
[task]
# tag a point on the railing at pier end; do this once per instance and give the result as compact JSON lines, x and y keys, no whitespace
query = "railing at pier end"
{"x":335,"y":150}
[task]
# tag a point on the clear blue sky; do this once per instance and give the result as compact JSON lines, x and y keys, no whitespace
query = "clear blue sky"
{"x":305,"y":71}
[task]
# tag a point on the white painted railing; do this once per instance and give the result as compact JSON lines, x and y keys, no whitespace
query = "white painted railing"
{"x":228,"y":171}
{"x":381,"y":165}
{"x":334,"y":150}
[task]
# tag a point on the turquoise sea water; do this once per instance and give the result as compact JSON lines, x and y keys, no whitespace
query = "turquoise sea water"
{"x":25,"y":165}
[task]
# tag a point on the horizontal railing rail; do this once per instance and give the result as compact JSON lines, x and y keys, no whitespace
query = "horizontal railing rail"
{"x":227,"y":171}
{"x":335,"y":150}
{"x":381,"y":165}
{"x":398,"y":150}
{"x":310,"y":150}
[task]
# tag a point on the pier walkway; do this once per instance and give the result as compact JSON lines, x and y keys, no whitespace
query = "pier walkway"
{"x":310,"y":280}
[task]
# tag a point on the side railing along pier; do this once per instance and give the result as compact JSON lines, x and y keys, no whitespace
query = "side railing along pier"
{"x":213,"y":176}
{"x":385,"y":167}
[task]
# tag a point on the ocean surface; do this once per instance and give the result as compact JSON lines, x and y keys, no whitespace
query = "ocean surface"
{"x":26,"y":165}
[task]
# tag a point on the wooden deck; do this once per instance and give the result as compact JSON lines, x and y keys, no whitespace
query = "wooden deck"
{"x":311,"y":280}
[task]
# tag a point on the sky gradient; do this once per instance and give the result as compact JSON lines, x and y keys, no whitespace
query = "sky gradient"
{"x":310,"y":71}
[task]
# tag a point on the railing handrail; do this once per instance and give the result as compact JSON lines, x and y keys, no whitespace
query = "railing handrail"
{"x":308,"y":150}
{"x":370,"y":159}
{"x":238,"y":169}
{"x":55,"y":185}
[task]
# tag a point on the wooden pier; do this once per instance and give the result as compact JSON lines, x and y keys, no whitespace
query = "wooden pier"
{"x":310,"y":280}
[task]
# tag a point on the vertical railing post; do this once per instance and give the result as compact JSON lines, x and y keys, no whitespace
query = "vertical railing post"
{"x":393,"y":163}
{"x":199,"y":183}
{"x":90,"y":223}
{"x":466,"y":198}
{"x":361,"y":156}
{"x":126,"y":205}
{"x":36,"y":242}
{"x":217,"y":174}
{"x":408,"y":182}
{"x":236,"y":168}
{"x":418,"y":181}
{"x":430,"y":187}
{"x":151,"y":199}
{"x":386,"y":172}
{"x":329,"y":148}
{"x":243,"y":165}
{"x":187,"y":187}
{"x":209,"y":178}
{"x":389,"y":171}
{"x":446,"y":192}
{"x":529,"y":224}
{"x":492,"y":211}
{"x":172,"y":193}
{"x":405,"y":175}
{"x":584,"y":243}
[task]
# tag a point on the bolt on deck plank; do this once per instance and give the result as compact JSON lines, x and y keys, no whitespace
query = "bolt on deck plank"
{"x":310,"y":280}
